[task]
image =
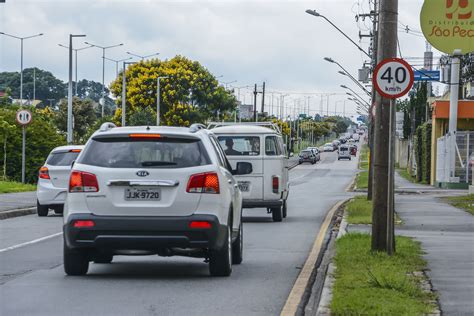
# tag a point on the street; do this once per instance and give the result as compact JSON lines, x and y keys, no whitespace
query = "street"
{"x":33,"y":280}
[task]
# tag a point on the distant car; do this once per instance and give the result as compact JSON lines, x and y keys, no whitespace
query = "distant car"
{"x":316,"y":152}
{"x":328,"y":147}
{"x":342,"y":140}
{"x":307,"y":155}
{"x":53,"y":179}
{"x":353,"y":149}
{"x":343,"y":152}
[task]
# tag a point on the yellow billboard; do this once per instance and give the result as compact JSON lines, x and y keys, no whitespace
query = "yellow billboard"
{"x":449,"y":24}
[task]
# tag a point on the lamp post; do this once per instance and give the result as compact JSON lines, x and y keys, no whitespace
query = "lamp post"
{"x":124,"y":89}
{"x":103,"y":69}
{"x":228,"y":83}
{"x":117,"y":61}
{"x":69,"y":92}
{"x":346,"y":73}
{"x":354,"y":94}
{"x":142,"y":57}
{"x":75,"y":61}
{"x":21,"y":58}
{"x":158,"y":95}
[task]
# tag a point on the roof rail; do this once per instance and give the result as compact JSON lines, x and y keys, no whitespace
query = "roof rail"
{"x":196,"y":127}
{"x":106,"y":126}
{"x":270,"y":125}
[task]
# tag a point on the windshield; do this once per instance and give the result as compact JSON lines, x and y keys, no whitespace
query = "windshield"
{"x":240,"y":145}
{"x":154,"y":153}
{"x":305,"y":152}
{"x":62,"y":158}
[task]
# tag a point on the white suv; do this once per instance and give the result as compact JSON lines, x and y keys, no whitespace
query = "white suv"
{"x":53,"y":179}
{"x":153,"y":190}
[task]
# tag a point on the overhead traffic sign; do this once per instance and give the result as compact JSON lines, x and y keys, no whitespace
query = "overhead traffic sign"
{"x":427,"y":75}
{"x":393,"y":78}
{"x":24,"y":117}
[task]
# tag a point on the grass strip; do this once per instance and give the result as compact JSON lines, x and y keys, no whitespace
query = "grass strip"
{"x":406,"y":175}
{"x":359,"y":211}
{"x":362,"y":179}
{"x":11,"y":187}
{"x":373,"y":283}
{"x":465,"y":202}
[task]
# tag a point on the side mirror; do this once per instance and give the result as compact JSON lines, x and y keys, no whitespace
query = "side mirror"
{"x":243,"y":168}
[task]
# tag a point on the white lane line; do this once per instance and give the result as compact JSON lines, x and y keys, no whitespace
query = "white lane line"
{"x":30,"y":242}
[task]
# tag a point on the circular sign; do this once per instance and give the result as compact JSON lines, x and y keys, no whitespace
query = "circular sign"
{"x":24,"y":117}
{"x":449,"y":25}
{"x":393,"y":78}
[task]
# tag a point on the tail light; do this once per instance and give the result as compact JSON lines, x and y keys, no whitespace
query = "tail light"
{"x":44,"y":173}
{"x":83,"y":182}
{"x":203,"y":183}
{"x":200,"y":225}
{"x":83,"y":224}
{"x":275,"y":184}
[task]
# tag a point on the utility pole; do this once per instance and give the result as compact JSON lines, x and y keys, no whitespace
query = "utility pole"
{"x":263,"y":98}
{"x":255,"y":103}
{"x":383,"y":169}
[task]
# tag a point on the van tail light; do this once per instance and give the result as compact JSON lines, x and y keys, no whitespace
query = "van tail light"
{"x":44,"y":173}
{"x":83,"y":182}
{"x":203,"y":183}
{"x":200,"y":225}
{"x":83,"y":224}
{"x":275,"y":184}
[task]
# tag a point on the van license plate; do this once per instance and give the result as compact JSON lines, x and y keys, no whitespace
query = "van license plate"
{"x":244,"y":186}
{"x":142,"y":194}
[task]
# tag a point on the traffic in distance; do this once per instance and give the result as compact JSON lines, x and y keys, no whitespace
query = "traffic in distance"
{"x":170,"y":191}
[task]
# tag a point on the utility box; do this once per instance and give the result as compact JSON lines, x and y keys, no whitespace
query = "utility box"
{"x":364,"y":73}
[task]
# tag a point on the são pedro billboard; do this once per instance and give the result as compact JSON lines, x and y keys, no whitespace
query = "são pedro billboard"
{"x":449,"y":24}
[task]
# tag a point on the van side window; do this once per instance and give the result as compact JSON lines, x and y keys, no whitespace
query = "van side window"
{"x":272,"y":147}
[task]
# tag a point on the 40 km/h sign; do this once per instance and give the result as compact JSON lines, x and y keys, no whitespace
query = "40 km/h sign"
{"x":393,"y":78}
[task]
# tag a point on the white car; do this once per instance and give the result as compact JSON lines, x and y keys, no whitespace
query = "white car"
{"x":153,"y":190}
{"x":328,"y":147}
{"x":53,"y":179}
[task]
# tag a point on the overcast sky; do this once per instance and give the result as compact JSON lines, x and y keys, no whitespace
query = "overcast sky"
{"x":249,"y":41}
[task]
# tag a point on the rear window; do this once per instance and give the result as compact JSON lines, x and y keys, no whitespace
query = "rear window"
{"x":62,"y":158}
{"x":140,"y":153}
{"x":240,"y":145}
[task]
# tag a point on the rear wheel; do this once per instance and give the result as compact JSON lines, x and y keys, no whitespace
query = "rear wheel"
{"x":42,"y":210}
{"x":277,"y":214}
{"x":76,"y":262}
{"x":284,"y":209}
{"x":238,"y":247}
{"x":58,"y":209}
{"x":220,"y":261}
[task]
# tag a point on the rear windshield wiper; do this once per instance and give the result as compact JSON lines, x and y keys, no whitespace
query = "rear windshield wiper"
{"x":157,"y":163}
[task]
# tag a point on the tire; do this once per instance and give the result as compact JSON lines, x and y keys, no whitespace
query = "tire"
{"x":238,"y":247}
{"x":284,"y":209}
{"x":220,"y":261}
{"x":277,"y":214}
{"x":76,"y":262}
{"x":59,"y":209}
{"x":103,"y":258}
{"x":42,"y":210}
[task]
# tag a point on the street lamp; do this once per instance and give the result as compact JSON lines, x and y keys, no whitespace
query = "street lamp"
{"x":103,"y":69}
{"x":314,"y":13}
{"x":142,"y":57}
{"x":227,"y":83}
{"x":158,"y":99}
{"x":359,"y":98}
{"x":75,"y":56}
{"x":356,"y":94}
{"x":117,"y":61}
{"x":21,"y":58}
{"x":346,"y":73}
{"x":124,"y":89}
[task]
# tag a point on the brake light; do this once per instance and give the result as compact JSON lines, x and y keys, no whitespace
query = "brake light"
{"x":83,"y":224}
{"x":75,"y":151}
{"x":80,"y":181}
{"x":275,"y":184}
{"x":146,"y":136}
{"x":203,"y":183}
{"x":44,"y":173}
{"x":200,"y":225}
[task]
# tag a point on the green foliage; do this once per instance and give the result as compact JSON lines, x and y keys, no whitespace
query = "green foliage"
{"x":84,"y":117}
{"x":422,"y":143}
{"x":465,"y":202}
{"x":10,"y":187}
{"x":368,"y":283}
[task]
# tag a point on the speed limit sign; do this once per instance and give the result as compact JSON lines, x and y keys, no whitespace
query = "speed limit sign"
{"x":393,"y":78}
{"x":24,"y":117}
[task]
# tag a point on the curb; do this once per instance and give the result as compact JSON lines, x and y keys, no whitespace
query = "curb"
{"x":17,"y":212}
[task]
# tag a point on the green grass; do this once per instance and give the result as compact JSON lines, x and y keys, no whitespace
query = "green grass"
{"x":359,"y":211}
{"x":362,"y":178}
{"x":368,"y":283}
{"x":406,"y":175}
{"x":465,"y":202}
{"x":9,"y":187}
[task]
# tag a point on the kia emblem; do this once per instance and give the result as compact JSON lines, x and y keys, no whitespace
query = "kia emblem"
{"x":142,"y":173}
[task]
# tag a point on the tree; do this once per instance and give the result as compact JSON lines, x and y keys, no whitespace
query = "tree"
{"x":5,"y":130}
{"x":88,"y":89}
{"x":84,"y":118}
{"x":187,"y":83}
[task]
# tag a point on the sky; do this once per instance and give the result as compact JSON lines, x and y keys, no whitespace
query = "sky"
{"x":246,"y":41}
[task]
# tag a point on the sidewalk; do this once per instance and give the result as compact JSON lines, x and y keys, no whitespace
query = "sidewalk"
{"x":11,"y":201}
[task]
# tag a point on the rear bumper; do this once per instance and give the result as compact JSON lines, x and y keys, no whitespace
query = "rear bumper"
{"x":143,"y":233}
{"x":47,"y":194}
{"x":261,"y":203}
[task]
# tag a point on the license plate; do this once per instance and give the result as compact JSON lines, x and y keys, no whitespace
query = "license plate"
{"x":142,"y":194}
{"x":244,"y":186}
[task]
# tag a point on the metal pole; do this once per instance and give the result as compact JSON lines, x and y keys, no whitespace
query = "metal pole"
{"x":453,"y":115}
{"x":103,"y":81}
{"x":34,"y":83}
{"x":124,"y":92}
{"x":75,"y":72}
{"x":23,"y":154}
{"x":158,"y":102}
{"x":69,"y":96}
{"x":21,"y":73}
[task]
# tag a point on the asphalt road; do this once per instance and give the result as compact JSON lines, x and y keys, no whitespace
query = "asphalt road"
{"x":32,"y":281}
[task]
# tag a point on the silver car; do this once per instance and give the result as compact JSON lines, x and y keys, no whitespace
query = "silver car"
{"x":343,"y":152}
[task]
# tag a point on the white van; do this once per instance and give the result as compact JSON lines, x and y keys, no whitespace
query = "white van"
{"x":261,"y":144}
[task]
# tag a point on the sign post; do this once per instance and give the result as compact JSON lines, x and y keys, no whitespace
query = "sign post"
{"x":23,"y":117}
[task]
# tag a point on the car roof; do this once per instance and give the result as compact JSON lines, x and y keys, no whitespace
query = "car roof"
{"x":243,"y":129}
{"x":168,"y":130}
{"x":67,"y":147}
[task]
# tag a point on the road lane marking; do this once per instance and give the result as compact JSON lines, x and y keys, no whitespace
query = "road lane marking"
{"x":30,"y":242}
{"x":301,"y":283}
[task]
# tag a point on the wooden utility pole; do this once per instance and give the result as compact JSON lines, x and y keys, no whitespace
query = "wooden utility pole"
{"x":255,"y":103}
{"x":382,"y":216}
{"x":263,"y":98}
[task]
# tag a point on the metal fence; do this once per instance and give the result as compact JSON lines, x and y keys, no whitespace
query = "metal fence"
{"x":464,"y":157}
